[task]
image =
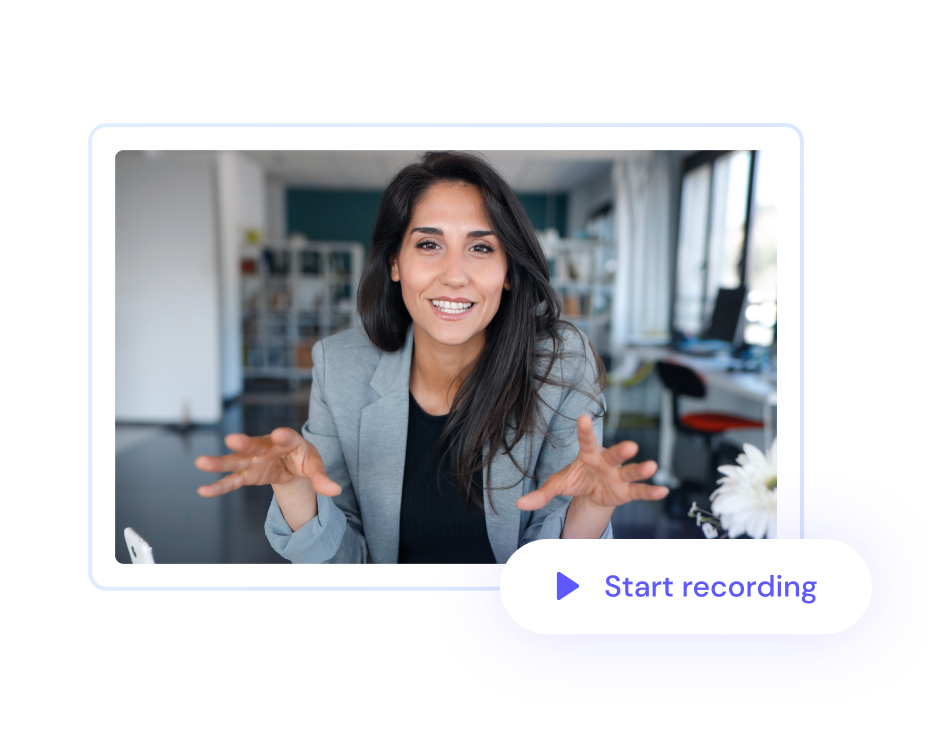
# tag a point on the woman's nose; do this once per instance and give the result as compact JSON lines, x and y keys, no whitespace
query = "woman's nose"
{"x":454,"y":268}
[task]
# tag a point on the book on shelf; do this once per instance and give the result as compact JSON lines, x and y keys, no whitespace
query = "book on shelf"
{"x":571,"y":305}
{"x":309,"y":262}
{"x":277,"y":261}
{"x":304,"y":355}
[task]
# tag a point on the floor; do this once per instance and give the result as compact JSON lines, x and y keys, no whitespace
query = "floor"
{"x":156,"y":484}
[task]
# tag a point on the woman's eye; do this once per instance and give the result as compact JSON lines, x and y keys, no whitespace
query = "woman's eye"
{"x":482,"y":248}
{"x":428,"y":245}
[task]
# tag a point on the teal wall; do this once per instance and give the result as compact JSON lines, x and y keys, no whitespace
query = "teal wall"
{"x":333,"y":215}
{"x":546,"y":210}
{"x":350,"y":215}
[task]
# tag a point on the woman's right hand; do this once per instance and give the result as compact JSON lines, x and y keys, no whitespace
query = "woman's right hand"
{"x":282,"y":458}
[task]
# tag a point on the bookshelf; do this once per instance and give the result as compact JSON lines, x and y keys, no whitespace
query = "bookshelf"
{"x":295,"y":293}
{"x":583,"y":274}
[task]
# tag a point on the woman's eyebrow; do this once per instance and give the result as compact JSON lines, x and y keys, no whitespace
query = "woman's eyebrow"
{"x":436,"y":230}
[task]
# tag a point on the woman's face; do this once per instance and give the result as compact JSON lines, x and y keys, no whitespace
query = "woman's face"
{"x":451,"y":267}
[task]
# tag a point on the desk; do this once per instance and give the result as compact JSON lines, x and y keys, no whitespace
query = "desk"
{"x":749,"y":385}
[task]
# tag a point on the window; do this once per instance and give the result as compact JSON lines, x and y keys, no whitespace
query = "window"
{"x":727,"y":239}
{"x":761,"y":274}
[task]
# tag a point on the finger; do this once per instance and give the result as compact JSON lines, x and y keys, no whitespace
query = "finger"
{"x":537,"y":499}
{"x":224,"y":485}
{"x":587,"y":436}
{"x":647,"y":492}
{"x":232,"y":462}
{"x":241,"y":443}
{"x":638,"y":472}
{"x":325,"y":486}
{"x":620,"y":453}
{"x":286,"y":438}
{"x":313,"y":469}
{"x":248,"y":448}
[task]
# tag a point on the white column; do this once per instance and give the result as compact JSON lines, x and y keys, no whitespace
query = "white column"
{"x":242,"y":207}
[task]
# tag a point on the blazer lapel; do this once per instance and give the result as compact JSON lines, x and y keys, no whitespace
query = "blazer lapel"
{"x":382,"y":450}
{"x":502,"y":487}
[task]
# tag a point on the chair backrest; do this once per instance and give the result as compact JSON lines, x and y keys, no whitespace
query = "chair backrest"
{"x":681,"y":380}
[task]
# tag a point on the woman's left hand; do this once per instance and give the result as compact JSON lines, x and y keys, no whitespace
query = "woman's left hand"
{"x":599,"y":474}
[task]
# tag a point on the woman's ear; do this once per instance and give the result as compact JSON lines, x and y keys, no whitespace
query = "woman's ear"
{"x":395,"y":271}
{"x":506,"y":284}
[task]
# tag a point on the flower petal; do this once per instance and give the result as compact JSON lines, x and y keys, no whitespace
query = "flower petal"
{"x":733,"y":527}
{"x":757,"y":525}
{"x":742,"y":501}
{"x":755,"y":455}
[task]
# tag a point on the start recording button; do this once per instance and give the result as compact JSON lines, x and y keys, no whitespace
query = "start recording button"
{"x":685,"y":587}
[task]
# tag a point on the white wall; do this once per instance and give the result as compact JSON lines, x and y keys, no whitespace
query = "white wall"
{"x":276,"y":208}
{"x":167,"y":289}
{"x":242,"y":206}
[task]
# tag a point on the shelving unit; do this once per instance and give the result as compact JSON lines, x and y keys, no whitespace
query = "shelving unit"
{"x":583,"y":274}
{"x":293,"y":294}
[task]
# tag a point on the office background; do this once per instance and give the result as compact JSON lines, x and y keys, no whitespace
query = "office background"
{"x":216,"y":306}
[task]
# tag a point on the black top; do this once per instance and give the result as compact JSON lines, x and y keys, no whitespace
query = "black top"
{"x":437,"y":526}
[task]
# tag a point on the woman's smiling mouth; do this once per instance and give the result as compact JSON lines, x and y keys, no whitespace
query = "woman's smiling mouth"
{"x":449,"y":308}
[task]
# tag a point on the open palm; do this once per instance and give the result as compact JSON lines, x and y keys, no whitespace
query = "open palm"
{"x":598,"y":473}
{"x":278,"y":458}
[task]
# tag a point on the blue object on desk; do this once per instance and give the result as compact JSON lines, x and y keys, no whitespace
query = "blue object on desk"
{"x":704,"y":347}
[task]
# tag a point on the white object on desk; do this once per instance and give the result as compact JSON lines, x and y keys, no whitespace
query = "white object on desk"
{"x":139,"y":550}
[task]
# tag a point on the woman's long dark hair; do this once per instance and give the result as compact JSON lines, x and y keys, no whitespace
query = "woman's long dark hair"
{"x":500,"y":394}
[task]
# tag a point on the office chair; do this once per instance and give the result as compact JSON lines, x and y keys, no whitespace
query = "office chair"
{"x":681,"y":381}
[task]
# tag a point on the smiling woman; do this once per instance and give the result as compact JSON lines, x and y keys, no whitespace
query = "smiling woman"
{"x":459,"y":424}
{"x":460,"y":253}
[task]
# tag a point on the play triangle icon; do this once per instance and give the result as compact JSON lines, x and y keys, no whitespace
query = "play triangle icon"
{"x":565,"y":585}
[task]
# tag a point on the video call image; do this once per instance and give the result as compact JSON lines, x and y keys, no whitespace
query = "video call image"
{"x":438,"y":357}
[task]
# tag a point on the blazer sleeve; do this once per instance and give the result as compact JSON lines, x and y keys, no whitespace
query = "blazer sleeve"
{"x":335,"y":535}
{"x":581,"y":395}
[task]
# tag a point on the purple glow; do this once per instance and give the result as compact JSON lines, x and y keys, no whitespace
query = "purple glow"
{"x":883,"y":526}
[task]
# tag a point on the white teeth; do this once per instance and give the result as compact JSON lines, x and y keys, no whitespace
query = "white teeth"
{"x":451,"y":307}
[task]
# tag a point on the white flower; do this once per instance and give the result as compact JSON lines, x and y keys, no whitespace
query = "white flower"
{"x":747,"y":500}
{"x":709,"y":530}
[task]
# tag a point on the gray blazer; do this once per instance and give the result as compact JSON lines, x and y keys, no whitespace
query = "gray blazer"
{"x":358,"y":415}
